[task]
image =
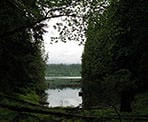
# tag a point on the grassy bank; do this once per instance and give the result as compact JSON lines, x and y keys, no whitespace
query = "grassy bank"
{"x":14,"y":110}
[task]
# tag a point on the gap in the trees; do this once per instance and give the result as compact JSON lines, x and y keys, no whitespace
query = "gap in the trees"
{"x":63,"y":72}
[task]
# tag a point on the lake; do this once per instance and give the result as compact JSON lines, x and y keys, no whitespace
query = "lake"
{"x":66,"y":97}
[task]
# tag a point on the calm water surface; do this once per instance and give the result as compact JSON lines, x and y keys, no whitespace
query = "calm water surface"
{"x":67,"y":97}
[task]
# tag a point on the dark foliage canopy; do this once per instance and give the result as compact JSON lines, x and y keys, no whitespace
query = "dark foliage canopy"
{"x":114,"y":63}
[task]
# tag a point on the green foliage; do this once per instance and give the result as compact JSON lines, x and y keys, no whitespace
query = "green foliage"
{"x":114,"y":60}
{"x":140,"y":104}
{"x":21,"y":56}
{"x":6,"y":115}
{"x":30,"y":97}
{"x":97,"y":61}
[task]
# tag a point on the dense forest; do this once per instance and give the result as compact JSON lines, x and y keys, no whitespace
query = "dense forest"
{"x":114,"y":61}
{"x":115,"y":58}
{"x":63,"y":70}
{"x":22,"y":64}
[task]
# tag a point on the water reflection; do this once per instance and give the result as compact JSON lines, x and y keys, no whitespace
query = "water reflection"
{"x":64,"y":97}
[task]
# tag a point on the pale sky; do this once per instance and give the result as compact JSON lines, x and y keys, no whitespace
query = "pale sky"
{"x":66,"y":53}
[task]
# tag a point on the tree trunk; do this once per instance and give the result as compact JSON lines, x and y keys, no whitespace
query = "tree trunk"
{"x":125,"y":104}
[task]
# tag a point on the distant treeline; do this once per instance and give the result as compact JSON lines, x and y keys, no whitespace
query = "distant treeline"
{"x":63,"y":70}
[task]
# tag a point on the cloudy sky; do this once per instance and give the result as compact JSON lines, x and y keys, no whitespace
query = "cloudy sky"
{"x":67,"y":53}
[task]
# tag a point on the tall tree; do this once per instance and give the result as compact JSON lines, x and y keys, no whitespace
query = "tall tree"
{"x":114,"y":54}
{"x":21,"y":53}
{"x":130,"y":52}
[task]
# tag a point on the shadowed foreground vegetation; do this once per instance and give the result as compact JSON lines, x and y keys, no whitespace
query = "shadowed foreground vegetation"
{"x":29,"y":110}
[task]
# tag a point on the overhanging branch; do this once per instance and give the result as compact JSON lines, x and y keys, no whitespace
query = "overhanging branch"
{"x":31,"y":25}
